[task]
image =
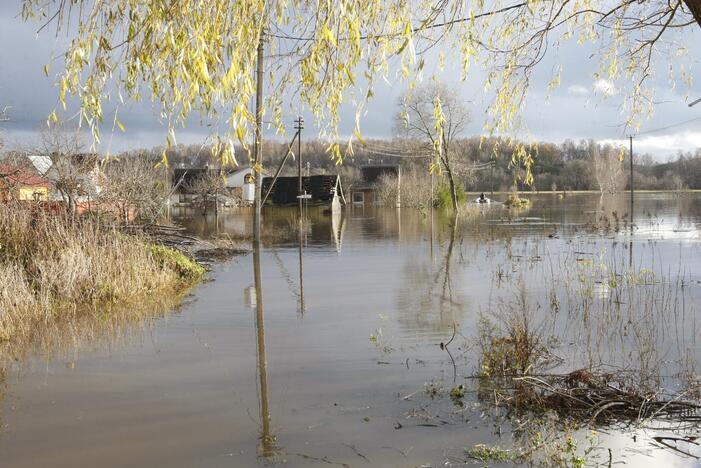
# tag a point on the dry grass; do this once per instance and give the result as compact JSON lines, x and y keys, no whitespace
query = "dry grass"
{"x":514,"y":346}
{"x":52,"y":268}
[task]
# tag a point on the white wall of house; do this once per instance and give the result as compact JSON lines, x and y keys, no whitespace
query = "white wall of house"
{"x":249,"y":193}
{"x":240,"y":180}
{"x":237,"y":179}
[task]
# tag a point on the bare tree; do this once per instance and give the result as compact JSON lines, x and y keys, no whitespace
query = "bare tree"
{"x":73,"y":172}
{"x":132,"y":185}
{"x":207,"y":186}
{"x":607,"y":162}
{"x":350,"y":176}
{"x":3,"y":118}
{"x":434,"y":116}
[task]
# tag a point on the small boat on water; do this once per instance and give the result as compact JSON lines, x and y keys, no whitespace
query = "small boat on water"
{"x":484,"y":200}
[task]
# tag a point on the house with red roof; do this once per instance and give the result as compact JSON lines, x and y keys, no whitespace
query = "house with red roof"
{"x":22,"y":184}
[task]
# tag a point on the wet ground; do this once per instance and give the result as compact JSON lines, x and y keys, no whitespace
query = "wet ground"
{"x":338,"y":361}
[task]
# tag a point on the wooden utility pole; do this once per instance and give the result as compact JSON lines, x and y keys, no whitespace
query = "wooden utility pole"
{"x":258,"y":141}
{"x":631,"y":182}
{"x":299,"y":125}
{"x":267,"y":446}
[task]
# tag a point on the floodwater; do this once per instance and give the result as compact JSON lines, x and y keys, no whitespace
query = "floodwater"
{"x":335,"y":362}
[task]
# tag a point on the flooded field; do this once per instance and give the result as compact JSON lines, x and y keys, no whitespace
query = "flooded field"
{"x":374,"y":345}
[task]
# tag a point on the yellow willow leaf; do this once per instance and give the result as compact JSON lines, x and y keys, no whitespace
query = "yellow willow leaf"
{"x":52,"y":118}
{"x":119,"y":124}
{"x":402,"y":47}
{"x":328,"y":35}
{"x":405,"y":69}
{"x":232,"y":154}
{"x":204,"y":71}
{"x":240,"y":134}
{"x":357,"y":134}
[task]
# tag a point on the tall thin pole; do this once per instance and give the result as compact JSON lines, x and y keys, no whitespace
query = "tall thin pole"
{"x":631,"y":183}
{"x":300,"y":204}
{"x":430,"y":207}
{"x":301,"y":265}
{"x":299,"y":126}
{"x":258,"y":135}
{"x":267,"y":438}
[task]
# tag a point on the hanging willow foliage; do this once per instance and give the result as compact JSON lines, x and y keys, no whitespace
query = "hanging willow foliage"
{"x":199,"y":56}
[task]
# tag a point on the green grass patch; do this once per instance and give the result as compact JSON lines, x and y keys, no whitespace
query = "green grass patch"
{"x":486,"y":453}
{"x":187,"y":269}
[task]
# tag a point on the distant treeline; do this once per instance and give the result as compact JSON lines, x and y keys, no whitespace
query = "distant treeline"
{"x":583,"y":165}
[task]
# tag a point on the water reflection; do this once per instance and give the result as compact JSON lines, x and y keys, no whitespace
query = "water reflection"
{"x":427,"y":299}
{"x":301,"y":236}
{"x":330,"y":282}
{"x":267,"y":439}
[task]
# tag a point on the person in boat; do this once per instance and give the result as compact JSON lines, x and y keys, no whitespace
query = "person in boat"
{"x":482,"y":198}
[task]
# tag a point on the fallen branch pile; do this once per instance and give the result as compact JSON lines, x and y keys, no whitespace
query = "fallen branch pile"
{"x":204,"y":251}
{"x":595,"y":398}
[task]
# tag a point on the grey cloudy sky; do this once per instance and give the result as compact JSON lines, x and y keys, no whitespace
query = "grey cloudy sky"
{"x":580,"y":108}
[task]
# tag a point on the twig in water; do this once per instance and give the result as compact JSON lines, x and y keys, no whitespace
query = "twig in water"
{"x":445,"y":347}
{"x":320,"y":459}
{"x":662,"y":440}
{"x":396,"y":449}
{"x":352,"y":447}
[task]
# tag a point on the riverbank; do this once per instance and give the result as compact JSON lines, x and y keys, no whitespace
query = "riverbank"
{"x":52,"y":268}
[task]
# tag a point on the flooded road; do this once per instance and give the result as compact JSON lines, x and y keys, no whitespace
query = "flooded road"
{"x":341,"y":362}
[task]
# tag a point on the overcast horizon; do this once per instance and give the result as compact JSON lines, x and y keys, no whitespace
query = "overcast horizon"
{"x":582,"y":107}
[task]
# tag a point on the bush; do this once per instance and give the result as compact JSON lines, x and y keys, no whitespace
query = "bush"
{"x":444,"y":198}
{"x":187,"y":269}
{"x":51,"y":267}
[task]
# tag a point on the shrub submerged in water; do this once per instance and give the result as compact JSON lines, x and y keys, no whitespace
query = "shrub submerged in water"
{"x":444,"y":198}
{"x":51,"y":267}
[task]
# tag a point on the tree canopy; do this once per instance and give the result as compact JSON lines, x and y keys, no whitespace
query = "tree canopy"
{"x":194,"y":56}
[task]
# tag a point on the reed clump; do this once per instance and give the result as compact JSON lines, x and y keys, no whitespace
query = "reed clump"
{"x":514,"y":201}
{"x":514,"y":346}
{"x":52,"y":267}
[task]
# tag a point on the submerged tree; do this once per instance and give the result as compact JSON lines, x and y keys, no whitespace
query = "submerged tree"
{"x":200,"y":56}
{"x":434,"y":115}
{"x":207,"y":187}
{"x":607,"y":165}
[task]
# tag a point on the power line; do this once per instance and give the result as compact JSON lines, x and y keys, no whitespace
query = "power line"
{"x":415,"y":29}
{"x":654,"y":130}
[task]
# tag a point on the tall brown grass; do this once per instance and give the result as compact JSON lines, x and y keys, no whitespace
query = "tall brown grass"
{"x":52,"y":268}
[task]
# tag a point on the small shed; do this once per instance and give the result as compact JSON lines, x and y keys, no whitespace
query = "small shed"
{"x":365,"y":192}
{"x":323,"y":190}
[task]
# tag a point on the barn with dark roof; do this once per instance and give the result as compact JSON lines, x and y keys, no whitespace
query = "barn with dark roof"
{"x":322,"y":190}
{"x":365,"y":192}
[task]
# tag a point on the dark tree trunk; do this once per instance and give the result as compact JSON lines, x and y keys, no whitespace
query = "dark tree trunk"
{"x":694,"y":7}
{"x":451,"y":179}
{"x":72,"y":208}
{"x":453,"y":190}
